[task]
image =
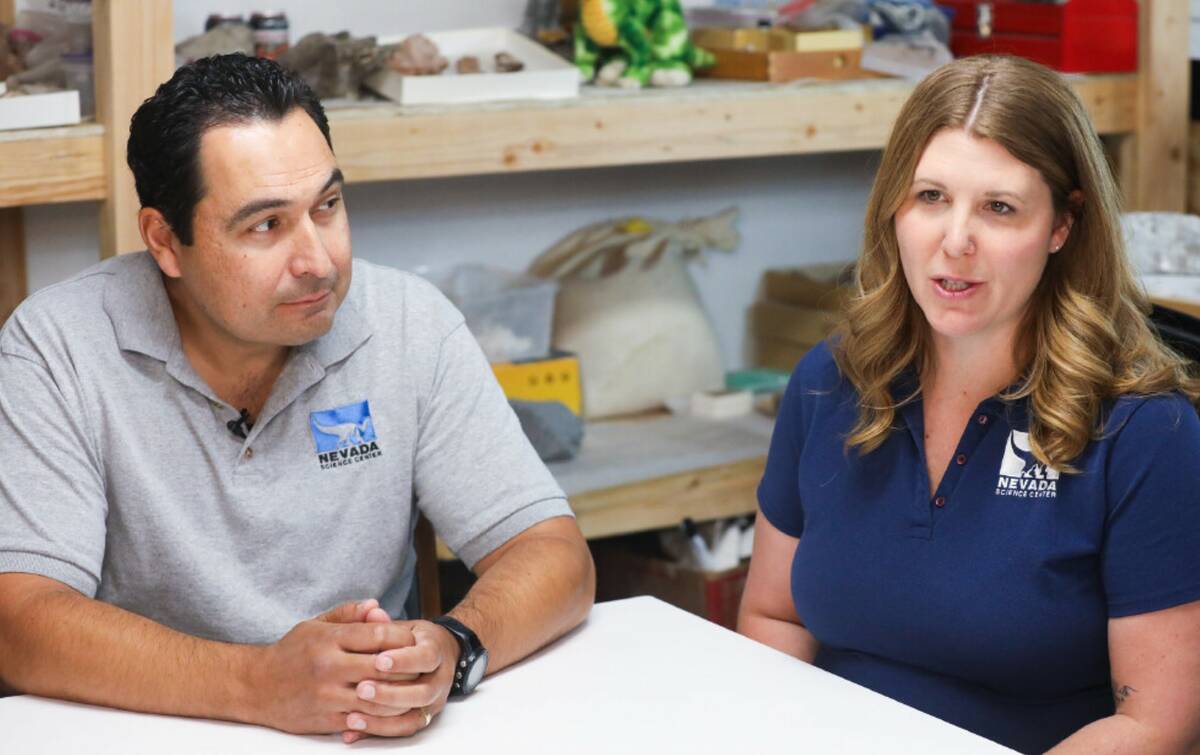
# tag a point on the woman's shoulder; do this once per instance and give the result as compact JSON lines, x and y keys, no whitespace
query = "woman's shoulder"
{"x":818,"y":368}
{"x":817,"y":375}
{"x":1138,"y":418}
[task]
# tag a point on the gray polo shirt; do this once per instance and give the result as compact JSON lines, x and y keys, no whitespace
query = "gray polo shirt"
{"x":119,"y":477}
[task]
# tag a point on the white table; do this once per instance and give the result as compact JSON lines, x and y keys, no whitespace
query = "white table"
{"x":640,"y":676}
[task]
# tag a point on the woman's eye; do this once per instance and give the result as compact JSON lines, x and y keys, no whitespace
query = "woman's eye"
{"x":1000,"y":208}
{"x":266,"y":226}
{"x":929,"y":195}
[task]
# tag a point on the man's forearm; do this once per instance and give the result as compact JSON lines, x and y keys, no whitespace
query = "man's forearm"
{"x":55,"y":642}
{"x":535,"y":591}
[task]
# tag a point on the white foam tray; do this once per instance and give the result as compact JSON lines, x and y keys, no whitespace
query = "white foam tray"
{"x":545,"y":76}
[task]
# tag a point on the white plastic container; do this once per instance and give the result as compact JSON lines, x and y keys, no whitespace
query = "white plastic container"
{"x":509,"y":313}
{"x":39,"y":110}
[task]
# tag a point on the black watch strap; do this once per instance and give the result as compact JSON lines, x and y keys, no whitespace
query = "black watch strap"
{"x":472,"y":656}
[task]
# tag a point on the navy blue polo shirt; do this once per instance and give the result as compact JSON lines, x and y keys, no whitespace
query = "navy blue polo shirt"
{"x":984,"y":603}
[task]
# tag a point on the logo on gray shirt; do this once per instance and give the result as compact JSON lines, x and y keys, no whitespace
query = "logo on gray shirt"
{"x":344,"y":435}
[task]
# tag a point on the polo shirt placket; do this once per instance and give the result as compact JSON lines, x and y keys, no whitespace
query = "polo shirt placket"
{"x":930,"y":507}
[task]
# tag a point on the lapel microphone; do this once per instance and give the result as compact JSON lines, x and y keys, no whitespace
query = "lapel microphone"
{"x":240,"y":425}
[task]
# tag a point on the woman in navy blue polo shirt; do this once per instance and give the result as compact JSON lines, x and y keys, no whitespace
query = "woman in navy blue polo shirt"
{"x":982,"y":497}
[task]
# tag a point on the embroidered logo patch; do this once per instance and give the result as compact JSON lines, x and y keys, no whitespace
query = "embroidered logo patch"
{"x":345,"y":435}
{"x":1021,"y":474}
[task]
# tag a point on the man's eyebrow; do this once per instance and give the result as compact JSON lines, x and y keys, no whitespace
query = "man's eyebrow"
{"x":335,"y":177}
{"x":253,"y":208}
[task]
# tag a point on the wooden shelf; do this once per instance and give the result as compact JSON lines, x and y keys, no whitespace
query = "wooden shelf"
{"x":707,"y":121}
{"x":48,"y":165}
{"x":650,"y":472}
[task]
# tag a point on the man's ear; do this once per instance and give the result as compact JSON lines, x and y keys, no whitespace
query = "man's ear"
{"x":160,"y":240}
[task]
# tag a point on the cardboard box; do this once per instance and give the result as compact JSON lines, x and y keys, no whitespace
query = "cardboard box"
{"x":785,"y":322}
{"x":779,"y":355}
{"x":787,"y":66}
{"x":710,"y":595}
{"x":801,"y":308}
{"x":553,"y":379}
{"x":545,"y":76}
{"x":39,"y":110}
{"x":779,"y":40}
{"x":783,"y":55}
{"x":818,"y":286}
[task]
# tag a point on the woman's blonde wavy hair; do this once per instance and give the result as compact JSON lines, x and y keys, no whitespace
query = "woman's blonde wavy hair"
{"x":1085,"y":338}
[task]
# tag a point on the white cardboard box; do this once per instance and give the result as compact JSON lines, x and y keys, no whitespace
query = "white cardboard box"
{"x":545,"y":76}
{"x":39,"y":110}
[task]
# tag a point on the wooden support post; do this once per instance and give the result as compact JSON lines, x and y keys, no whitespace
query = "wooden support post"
{"x":13,"y":280}
{"x":135,"y":52}
{"x":1124,"y":155}
{"x":13,"y":277}
{"x":1159,"y":173}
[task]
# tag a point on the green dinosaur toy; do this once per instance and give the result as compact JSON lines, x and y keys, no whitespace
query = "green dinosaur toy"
{"x":635,"y":43}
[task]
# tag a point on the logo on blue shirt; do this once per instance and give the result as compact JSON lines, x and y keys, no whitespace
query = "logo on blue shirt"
{"x":1021,"y":474}
{"x":345,"y":435}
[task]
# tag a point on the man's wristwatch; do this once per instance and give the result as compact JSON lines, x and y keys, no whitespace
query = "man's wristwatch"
{"x":472,"y":657}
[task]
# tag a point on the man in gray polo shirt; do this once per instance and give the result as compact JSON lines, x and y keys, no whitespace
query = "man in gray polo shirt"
{"x":210,"y":448}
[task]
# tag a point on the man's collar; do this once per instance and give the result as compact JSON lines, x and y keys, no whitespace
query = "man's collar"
{"x":350,"y":330}
{"x":136,"y":302}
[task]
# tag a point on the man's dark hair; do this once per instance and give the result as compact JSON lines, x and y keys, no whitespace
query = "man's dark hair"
{"x":164,"y":135}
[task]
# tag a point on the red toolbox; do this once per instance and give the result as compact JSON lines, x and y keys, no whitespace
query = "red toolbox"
{"x":1074,"y":36}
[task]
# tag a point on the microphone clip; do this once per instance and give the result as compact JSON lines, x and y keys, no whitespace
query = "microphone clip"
{"x":241,"y":425}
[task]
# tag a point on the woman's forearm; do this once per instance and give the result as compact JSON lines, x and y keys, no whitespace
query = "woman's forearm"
{"x":1119,"y":734}
{"x":787,"y":636}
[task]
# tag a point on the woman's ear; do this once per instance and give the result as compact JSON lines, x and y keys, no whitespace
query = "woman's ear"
{"x":1065,"y":220}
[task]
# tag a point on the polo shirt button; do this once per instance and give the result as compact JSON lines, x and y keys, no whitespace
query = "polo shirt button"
{"x":982,"y":419}
{"x":249,"y":454}
{"x":940,"y":501}
{"x":961,"y":459}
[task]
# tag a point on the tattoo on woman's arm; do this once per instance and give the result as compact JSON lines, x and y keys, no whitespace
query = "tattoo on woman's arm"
{"x":1121,"y":693}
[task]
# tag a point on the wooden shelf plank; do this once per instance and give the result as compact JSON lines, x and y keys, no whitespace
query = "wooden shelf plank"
{"x":41,"y":166}
{"x":702,"y":494}
{"x":710,"y":120}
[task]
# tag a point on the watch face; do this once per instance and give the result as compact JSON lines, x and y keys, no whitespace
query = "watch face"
{"x":475,"y":672}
